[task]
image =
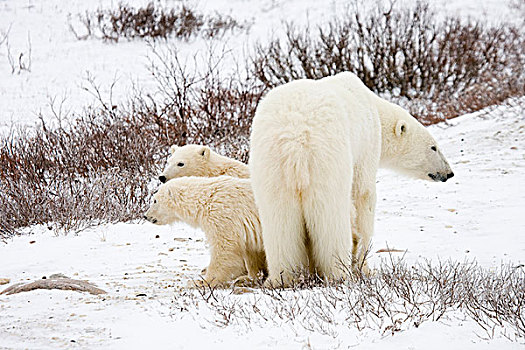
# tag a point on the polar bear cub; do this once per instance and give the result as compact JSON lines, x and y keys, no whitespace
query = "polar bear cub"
{"x":315,"y":148}
{"x":224,"y":208}
{"x":197,"y":160}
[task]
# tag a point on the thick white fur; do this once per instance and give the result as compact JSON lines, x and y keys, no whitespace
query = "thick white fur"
{"x":315,"y":149}
{"x":224,"y":208}
{"x":197,"y":160}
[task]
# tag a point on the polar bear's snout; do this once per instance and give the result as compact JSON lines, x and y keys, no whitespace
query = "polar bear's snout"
{"x":440,"y":177}
{"x":162,"y":178}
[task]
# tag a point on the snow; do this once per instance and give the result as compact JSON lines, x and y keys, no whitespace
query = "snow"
{"x":60,"y":63}
{"x":127,"y":259}
{"x":471,"y":207}
{"x":437,"y":335}
{"x":477,"y":215}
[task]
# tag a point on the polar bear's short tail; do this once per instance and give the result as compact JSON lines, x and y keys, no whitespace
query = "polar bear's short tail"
{"x":295,"y":159}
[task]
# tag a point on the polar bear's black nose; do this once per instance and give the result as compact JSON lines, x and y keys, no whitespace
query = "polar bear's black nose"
{"x":162,"y":178}
{"x":450,"y":175}
{"x":439,"y":177}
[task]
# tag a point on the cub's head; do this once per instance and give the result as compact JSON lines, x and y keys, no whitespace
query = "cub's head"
{"x":411,"y":149}
{"x":189,"y":160}
{"x":162,"y":210}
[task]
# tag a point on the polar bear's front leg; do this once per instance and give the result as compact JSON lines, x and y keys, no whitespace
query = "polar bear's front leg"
{"x":225,"y":266}
{"x":255,"y":264}
{"x":364,"y":197}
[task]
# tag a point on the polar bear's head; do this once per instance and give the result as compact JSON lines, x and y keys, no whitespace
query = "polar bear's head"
{"x":409,"y":148}
{"x":162,"y":210}
{"x":189,"y":160}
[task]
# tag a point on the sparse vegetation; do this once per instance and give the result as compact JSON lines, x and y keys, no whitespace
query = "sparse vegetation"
{"x":95,"y":166}
{"x":397,"y":298}
{"x":153,"y":21}
{"x":99,"y":165}
{"x":436,"y":69}
{"x":4,"y":35}
{"x":18,"y":62}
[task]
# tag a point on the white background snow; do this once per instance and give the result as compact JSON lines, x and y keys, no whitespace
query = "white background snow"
{"x":477,"y":215}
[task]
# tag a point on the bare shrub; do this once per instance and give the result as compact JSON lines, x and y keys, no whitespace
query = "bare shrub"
{"x":437,"y":69}
{"x":23,"y":60}
{"x":397,"y":298}
{"x":218,"y":24}
{"x":96,"y":167}
{"x":4,"y":35}
{"x":90,"y":170}
{"x":153,"y":21}
{"x":214,"y":107}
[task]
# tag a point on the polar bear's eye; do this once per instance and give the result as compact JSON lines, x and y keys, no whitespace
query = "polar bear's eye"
{"x":180,"y":164}
{"x":154,"y":201}
{"x":433,"y":148}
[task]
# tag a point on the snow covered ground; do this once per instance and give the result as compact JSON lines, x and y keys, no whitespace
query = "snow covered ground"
{"x":60,"y":63}
{"x":477,"y":215}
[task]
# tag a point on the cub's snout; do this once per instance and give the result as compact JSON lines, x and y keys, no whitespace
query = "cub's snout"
{"x":439,"y":177}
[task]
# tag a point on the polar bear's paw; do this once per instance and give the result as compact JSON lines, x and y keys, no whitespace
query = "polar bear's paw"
{"x":245,"y":281}
{"x":203,"y":283}
{"x":362,"y":270}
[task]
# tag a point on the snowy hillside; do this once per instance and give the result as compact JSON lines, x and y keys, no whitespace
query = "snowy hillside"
{"x":59,"y":63}
{"x":475,"y":218}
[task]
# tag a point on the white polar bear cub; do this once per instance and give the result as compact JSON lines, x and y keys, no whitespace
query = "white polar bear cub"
{"x":197,"y":160}
{"x":224,"y":208}
{"x":314,"y":153}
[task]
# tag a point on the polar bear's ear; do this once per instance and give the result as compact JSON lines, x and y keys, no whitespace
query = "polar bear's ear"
{"x":205,"y":152}
{"x":173,"y":149}
{"x":401,"y":128}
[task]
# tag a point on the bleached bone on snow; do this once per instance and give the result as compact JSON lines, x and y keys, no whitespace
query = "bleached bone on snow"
{"x":57,"y":281}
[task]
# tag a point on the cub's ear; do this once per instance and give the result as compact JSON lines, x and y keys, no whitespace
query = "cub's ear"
{"x":401,"y":128}
{"x":173,"y":149}
{"x":205,"y":152}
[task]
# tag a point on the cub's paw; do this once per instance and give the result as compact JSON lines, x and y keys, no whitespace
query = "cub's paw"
{"x":205,"y":283}
{"x":198,"y":284}
{"x":363,"y":271}
{"x":245,"y":281}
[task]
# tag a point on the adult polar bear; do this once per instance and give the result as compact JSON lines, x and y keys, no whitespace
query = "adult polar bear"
{"x":315,"y":149}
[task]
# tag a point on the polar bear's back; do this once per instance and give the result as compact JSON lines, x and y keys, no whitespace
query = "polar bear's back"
{"x":308,"y":126}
